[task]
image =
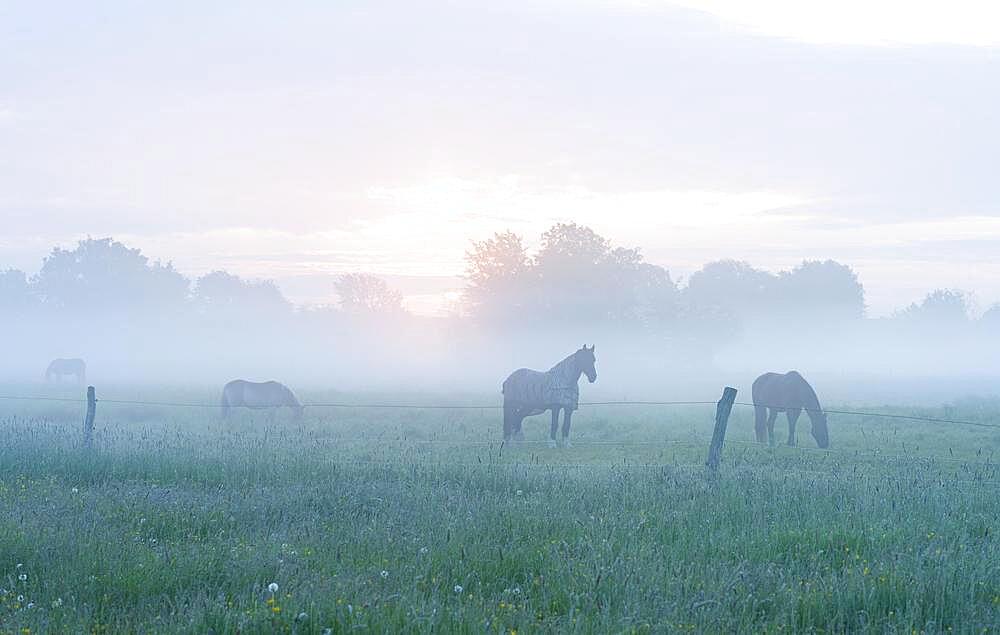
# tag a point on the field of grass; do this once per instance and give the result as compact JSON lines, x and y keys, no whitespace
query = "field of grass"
{"x":419,"y":521}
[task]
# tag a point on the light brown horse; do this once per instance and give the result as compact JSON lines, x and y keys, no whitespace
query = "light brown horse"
{"x":789,"y":393}
{"x":59,"y":367}
{"x":269,"y":394}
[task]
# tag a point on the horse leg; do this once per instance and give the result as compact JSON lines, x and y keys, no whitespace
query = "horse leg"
{"x":518,"y":420}
{"x":772,"y":415}
{"x":567,"y":417}
{"x":508,"y":421}
{"x":555,"y":427}
{"x":793,"y":416}
{"x":760,"y":423}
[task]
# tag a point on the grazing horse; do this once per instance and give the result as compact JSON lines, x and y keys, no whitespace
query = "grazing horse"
{"x":788,"y":393}
{"x":268,"y":394}
{"x":530,"y":392}
{"x":60,"y":367}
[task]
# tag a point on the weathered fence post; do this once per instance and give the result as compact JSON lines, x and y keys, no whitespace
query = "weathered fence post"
{"x":88,"y":423}
{"x":722,"y":411}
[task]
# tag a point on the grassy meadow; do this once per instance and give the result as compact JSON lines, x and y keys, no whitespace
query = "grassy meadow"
{"x":414,"y":520}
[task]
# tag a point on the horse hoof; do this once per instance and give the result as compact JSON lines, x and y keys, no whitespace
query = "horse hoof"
{"x":552,"y":443}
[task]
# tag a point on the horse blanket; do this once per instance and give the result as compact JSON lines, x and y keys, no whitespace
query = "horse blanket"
{"x":537,"y":392}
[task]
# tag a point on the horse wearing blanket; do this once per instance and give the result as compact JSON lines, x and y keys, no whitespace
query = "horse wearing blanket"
{"x":530,"y":392}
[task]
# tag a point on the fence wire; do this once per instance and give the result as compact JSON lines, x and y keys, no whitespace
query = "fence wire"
{"x":493,"y":406}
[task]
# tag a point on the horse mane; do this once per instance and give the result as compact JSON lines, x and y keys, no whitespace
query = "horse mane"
{"x":291,"y":396}
{"x":565,"y":373}
{"x":808,"y":394}
{"x":566,"y":366}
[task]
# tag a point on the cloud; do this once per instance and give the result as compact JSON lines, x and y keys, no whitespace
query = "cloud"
{"x":315,"y":139}
{"x":858,"y":22}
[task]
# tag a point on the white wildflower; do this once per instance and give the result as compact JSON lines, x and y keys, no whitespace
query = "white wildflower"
{"x":384,"y":574}
{"x":458,"y":588}
{"x":22,"y":577}
{"x":31,"y":605}
{"x":20,"y":598}
{"x":302,"y":617}
{"x":519,"y":492}
{"x":517,"y":590}
{"x":423,"y":550}
{"x":57,"y":603}
{"x":273,"y":587}
{"x":75,"y":490}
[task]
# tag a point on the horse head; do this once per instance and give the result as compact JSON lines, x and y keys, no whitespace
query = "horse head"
{"x":585,"y":362}
{"x":819,"y":430}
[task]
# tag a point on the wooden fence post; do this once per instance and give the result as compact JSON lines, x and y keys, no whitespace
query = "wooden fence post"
{"x":722,"y":411}
{"x":88,"y":423}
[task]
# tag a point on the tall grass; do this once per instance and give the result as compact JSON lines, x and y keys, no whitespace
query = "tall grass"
{"x":420,"y":521}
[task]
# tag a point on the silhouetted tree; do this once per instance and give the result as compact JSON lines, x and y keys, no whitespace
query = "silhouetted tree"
{"x":991,"y":318}
{"x":732,"y":286}
{"x":498,"y":272}
{"x":15,"y":292}
{"x":104,"y":274}
{"x":576,"y":277}
{"x":365,"y":294}
{"x":940,"y":307}
{"x":655,"y":294}
{"x":827,"y":291}
{"x":568,"y":248}
{"x":582,"y":278}
{"x":223,"y":293}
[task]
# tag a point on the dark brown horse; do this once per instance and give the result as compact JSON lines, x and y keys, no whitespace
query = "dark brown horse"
{"x":789,"y":393}
{"x":529,"y":392}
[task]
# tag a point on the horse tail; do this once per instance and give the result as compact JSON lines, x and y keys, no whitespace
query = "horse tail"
{"x":759,"y":419}
{"x":224,"y":405}
{"x":760,"y":422}
{"x":293,"y":402}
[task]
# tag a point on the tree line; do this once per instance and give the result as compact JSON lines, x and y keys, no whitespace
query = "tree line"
{"x":106,"y":276}
{"x":575,"y":277}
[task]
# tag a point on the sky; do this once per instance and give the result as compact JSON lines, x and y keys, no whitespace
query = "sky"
{"x":299,"y":142}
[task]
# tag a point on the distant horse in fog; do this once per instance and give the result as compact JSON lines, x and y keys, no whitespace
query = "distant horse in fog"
{"x":788,"y":393}
{"x":530,"y":392}
{"x":269,"y":394}
{"x":59,"y":367}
